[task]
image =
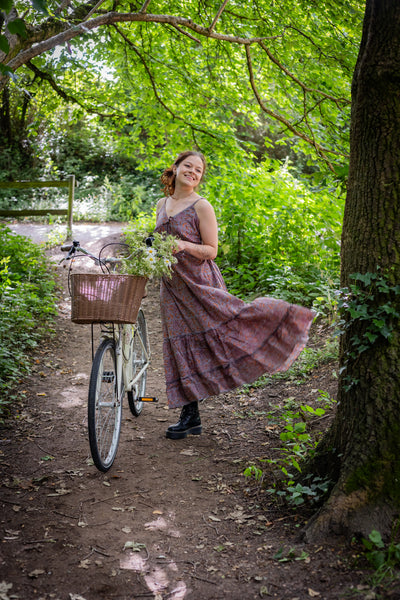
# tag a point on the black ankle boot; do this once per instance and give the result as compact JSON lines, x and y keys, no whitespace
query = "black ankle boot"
{"x":189,"y":423}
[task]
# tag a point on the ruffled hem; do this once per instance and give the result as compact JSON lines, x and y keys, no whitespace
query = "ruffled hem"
{"x":223,"y":358}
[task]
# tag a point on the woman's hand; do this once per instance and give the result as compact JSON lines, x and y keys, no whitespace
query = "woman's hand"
{"x":180,"y":245}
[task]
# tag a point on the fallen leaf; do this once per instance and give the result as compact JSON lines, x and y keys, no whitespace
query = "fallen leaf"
{"x":41,"y":394}
{"x":60,"y":492}
{"x":157,"y":512}
{"x":82,"y":523}
{"x":4,"y":587}
{"x":189,"y":452}
{"x":313,"y":593}
{"x":212,"y":518}
{"x":84,"y":564}
{"x":134,"y":546}
{"x":36,"y":573}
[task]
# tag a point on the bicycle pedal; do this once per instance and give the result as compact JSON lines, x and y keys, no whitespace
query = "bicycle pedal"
{"x":108,"y":376}
{"x":147,"y":399}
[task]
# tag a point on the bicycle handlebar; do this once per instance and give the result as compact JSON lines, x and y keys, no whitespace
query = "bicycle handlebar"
{"x":73,"y":248}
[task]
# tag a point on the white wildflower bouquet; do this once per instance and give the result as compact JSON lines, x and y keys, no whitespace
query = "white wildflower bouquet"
{"x":150,"y":255}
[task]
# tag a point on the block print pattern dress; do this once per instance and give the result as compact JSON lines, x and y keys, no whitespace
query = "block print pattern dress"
{"x":213,"y":341}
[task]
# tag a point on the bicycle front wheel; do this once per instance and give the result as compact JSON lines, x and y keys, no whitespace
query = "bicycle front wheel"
{"x":104,"y":406}
{"x":140,"y":359}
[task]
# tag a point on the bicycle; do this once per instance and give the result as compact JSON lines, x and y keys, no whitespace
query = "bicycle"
{"x":121,"y":361}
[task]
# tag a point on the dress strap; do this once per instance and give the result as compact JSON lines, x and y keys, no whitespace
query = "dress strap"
{"x":196,"y":201}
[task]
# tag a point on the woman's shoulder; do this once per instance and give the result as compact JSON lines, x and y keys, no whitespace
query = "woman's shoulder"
{"x":203,"y":205}
{"x":160,"y":203}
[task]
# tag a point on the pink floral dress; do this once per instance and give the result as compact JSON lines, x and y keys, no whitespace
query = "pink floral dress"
{"x":213,"y":341}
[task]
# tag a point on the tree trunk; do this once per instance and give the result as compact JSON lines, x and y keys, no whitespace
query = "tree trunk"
{"x":5,"y":121}
{"x":361,"y":452}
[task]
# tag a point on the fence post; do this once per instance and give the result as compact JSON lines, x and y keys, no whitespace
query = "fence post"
{"x":71,"y":191}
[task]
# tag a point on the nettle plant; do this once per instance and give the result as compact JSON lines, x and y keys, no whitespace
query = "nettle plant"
{"x":371,"y":307}
{"x":297,"y":444}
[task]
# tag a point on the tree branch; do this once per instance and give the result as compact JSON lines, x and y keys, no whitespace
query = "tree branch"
{"x":145,"y":5}
{"x":189,"y":35}
{"x":300,"y":83}
{"x":153,"y":85}
{"x":217,"y":16}
{"x":320,"y":150}
{"x":60,"y":32}
{"x":60,"y":92}
{"x":99,"y":3}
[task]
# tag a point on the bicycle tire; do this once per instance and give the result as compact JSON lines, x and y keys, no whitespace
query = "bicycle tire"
{"x":139,"y":359}
{"x":104,"y":406}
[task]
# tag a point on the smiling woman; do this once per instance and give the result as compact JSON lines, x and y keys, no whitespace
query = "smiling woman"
{"x":213,"y":341}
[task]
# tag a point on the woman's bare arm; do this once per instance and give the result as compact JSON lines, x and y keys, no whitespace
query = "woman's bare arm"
{"x":208,"y":231}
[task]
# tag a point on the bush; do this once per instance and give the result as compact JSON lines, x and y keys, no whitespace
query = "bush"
{"x":27,"y":307}
{"x":277,"y":235}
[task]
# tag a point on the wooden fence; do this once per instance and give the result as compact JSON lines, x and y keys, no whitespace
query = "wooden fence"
{"x":68,"y":183}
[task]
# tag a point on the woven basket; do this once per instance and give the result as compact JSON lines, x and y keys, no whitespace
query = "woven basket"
{"x":100,"y":298}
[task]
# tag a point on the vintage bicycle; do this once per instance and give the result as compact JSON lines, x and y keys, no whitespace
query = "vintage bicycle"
{"x":122,"y":358}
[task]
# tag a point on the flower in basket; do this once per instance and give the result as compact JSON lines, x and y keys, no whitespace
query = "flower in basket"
{"x":151,"y":258}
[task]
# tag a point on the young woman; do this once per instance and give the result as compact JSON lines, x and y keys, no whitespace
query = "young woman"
{"x":213,"y":341}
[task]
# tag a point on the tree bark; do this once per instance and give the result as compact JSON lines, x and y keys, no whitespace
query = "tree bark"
{"x":360,"y":453}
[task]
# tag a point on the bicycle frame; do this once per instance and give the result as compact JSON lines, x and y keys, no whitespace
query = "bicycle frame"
{"x":124,"y":348}
{"x":123,"y":336}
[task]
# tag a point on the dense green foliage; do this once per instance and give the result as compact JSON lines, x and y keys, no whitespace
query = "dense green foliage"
{"x":278,"y":236}
{"x":246,"y":76}
{"x":115,"y":104}
{"x":27,"y":303}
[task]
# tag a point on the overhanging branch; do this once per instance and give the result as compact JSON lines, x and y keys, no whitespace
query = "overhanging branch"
{"x":217,"y":16}
{"x":67,"y":97}
{"x":320,"y":150}
{"x":69,"y":32}
{"x":306,"y":89}
{"x":154,"y":86}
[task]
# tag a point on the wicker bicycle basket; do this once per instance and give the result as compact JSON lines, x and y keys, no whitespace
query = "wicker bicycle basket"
{"x":100,"y":298}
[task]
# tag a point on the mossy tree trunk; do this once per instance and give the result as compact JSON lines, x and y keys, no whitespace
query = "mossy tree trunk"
{"x":361,"y":451}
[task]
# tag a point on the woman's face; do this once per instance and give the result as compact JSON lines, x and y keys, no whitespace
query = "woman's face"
{"x":189,"y":171}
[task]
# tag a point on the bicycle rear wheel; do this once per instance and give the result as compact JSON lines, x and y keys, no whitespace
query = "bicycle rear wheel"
{"x":140,"y":358}
{"x":104,"y":406}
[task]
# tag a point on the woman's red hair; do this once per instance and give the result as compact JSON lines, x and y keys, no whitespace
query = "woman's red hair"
{"x":168,"y":176}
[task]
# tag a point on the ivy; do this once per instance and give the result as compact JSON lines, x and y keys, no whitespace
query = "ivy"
{"x":373,"y":303}
{"x":369,"y":308}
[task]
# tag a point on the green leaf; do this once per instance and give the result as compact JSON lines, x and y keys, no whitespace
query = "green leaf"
{"x":40,"y":5}
{"x":4,"y":45}
{"x":17,"y":27}
{"x":7,"y":71}
{"x":376,"y":539}
{"x":6,"y":5}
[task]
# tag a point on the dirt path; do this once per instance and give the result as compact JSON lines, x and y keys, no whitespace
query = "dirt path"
{"x":171,"y":520}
